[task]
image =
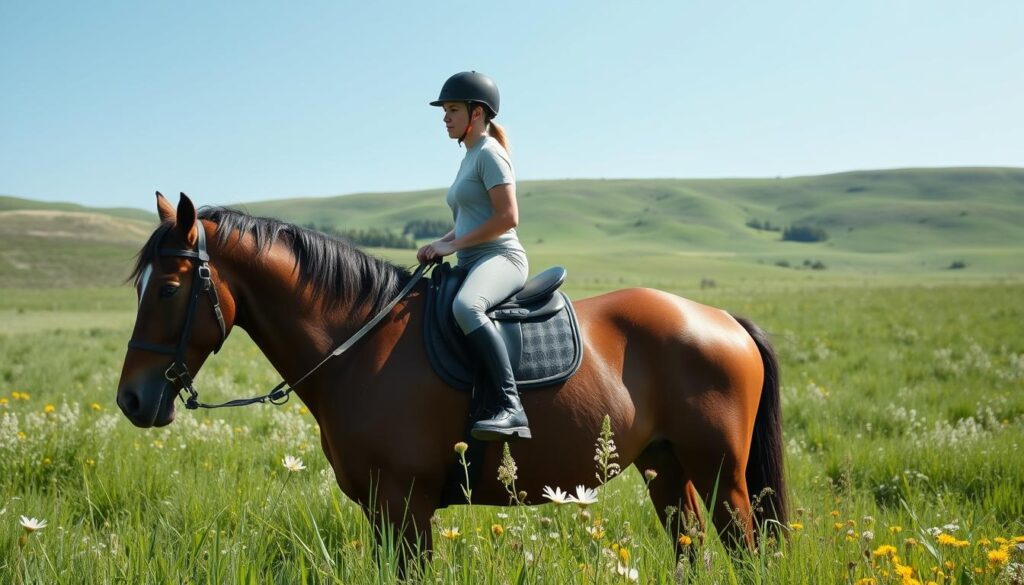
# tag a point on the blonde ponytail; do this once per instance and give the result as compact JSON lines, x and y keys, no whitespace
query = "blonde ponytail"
{"x":498,"y":133}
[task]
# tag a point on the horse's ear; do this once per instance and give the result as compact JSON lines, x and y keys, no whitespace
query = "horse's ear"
{"x":164,"y":208}
{"x":186,"y":221}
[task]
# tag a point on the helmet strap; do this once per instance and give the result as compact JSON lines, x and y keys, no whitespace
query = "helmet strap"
{"x":469,"y":122}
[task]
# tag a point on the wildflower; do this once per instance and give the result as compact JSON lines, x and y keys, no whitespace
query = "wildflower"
{"x":650,"y":474}
{"x":834,"y":513}
{"x":451,"y":533}
{"x":606,"y":453}
{"x":497,"y":529}
{"x":32,"y":524}
{"x":584,"y":496}
{"x":684,"y":540}
{"x":867,"y":536}
{"x":557,"y":496}
{"x":595,"y":532}
{"x":90,"y":462}
{"x":49,"y":409}
{"x":947,"y":539}
{"x":838,"y":526}
{"x":507,"y":471}
{"x":895,"y":529}
{"x":867,"y":581}
{"x":461,"y":447}
{"x":3,"y":401}
{"x":627,"y":572}
{"x":796,"y":526}
{"x":998,"y":557}
{"x":96,"y":407}
{"x":624,"y":555}
{"x":293,"y":464}
{"x":884,"y":551}
{"x":47,"y":461}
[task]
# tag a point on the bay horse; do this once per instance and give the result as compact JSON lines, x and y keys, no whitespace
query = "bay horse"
{"x":691,"y":391}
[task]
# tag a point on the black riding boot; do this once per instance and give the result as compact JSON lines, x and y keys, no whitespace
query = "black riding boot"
{"x":497,"y":383}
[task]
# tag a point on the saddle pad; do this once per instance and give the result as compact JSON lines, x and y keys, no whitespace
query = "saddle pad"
{"x":544,"y":351}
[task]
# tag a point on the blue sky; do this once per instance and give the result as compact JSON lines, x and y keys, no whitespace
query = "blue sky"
{"x":104,"y":102}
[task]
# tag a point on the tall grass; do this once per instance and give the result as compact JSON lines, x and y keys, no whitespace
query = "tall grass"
{"x":903,"y":418}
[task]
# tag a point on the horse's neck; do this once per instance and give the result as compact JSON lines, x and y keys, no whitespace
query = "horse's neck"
{"x":292,"y":330}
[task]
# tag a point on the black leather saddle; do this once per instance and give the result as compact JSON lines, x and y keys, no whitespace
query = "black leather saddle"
{"x":538,"y":324}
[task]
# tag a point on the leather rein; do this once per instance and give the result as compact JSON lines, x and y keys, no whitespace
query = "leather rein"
{"x":202,"y":282}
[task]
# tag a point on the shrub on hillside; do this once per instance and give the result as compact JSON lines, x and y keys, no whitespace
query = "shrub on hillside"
{"x":957,"y":265}
{"x":374,"y":237}
{"x":764,"y":226}
{"x":427,"y":228}
{"x":804,"y":233}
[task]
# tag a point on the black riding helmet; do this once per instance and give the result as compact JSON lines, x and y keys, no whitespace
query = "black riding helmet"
{"x":471,"y":87}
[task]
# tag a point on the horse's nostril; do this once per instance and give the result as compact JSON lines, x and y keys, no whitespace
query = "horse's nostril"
{"x":129,"y":402}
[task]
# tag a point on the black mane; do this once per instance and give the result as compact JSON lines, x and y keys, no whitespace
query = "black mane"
{"x":334,"y":270}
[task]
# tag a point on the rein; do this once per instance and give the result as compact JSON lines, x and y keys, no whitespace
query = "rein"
{"x":203,"y":282}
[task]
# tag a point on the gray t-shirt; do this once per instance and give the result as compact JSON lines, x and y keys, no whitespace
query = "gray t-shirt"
{"x":485,"y":166}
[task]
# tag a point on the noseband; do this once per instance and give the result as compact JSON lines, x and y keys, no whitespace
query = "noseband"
{"x":201,"y":282}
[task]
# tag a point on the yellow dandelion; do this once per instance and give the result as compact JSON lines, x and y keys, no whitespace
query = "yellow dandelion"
{"x":904,"y":571}
{"x":595,"y":532}
{"x":834,"y":513}
{"x":90,"y":462}
{"x":885,"y":550}
{"x":624,"y":555}
{"x":95,"y":407}
{"x":867,"y":581}
{"x":1018,"y":539}
{"x":950,"y":565}
{"x":895,"y":529}
{"x":303,"y":410}
{"x":47,"y":461}
{"x":684,"y":540}
{"x":998,"y":557}
{"x":984,"y":542}
{"x":838,"y":526}
{"x":961,"y":544}
{"x":15,"y":395}
{"x":796,"y":526}
{"x":946,"y":539}
{"x":1001,"y":540}
{"x":22,"y":436}
{"x":451,"y":533}
{"x":3,"y":401}
{"x":497,"y":529}
{"x":979,"y":570}
{"x":49,"y":408}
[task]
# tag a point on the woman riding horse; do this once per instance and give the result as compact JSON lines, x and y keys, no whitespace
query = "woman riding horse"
{"x":483,"y":203}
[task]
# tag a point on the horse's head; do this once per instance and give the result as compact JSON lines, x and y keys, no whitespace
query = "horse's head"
{"x":179,"y":320}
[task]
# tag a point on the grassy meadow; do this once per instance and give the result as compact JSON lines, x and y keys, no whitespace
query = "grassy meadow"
{"x":902,"y":389}
{"x":904,"y":417}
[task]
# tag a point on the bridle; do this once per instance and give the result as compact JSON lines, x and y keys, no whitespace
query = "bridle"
{"x":202,"y":281}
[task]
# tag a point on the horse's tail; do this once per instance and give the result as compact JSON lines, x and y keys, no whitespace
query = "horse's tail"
{"x":765,"y":465}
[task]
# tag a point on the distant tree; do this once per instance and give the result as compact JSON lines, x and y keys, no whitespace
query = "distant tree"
{"x":427,"y":228}
{"x":958,"y":265}
{"x":375,"y":237}
{"x":804,"y":233}
{"x":766,"y":225}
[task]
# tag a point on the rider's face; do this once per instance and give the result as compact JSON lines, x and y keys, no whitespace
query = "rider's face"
{"x":456,"y":118}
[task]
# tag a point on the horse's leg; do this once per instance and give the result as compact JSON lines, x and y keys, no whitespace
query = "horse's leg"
{"x":718,"y":472}
{"x":400,"y":515}
{"x":672,"y":494}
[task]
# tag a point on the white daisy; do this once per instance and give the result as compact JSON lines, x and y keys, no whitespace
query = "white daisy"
{"x":293,"y":463}
{"x":31,"y":524}
{"x":585,"y":496}
{"x":557,"y":495}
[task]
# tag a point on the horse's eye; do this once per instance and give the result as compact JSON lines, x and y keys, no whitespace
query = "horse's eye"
{"x":168,"y":290}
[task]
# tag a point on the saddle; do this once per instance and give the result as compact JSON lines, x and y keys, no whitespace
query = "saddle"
{"x":538,"y":324}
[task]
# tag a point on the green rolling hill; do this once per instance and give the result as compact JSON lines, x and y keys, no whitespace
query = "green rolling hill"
{"x":891,"y":224}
